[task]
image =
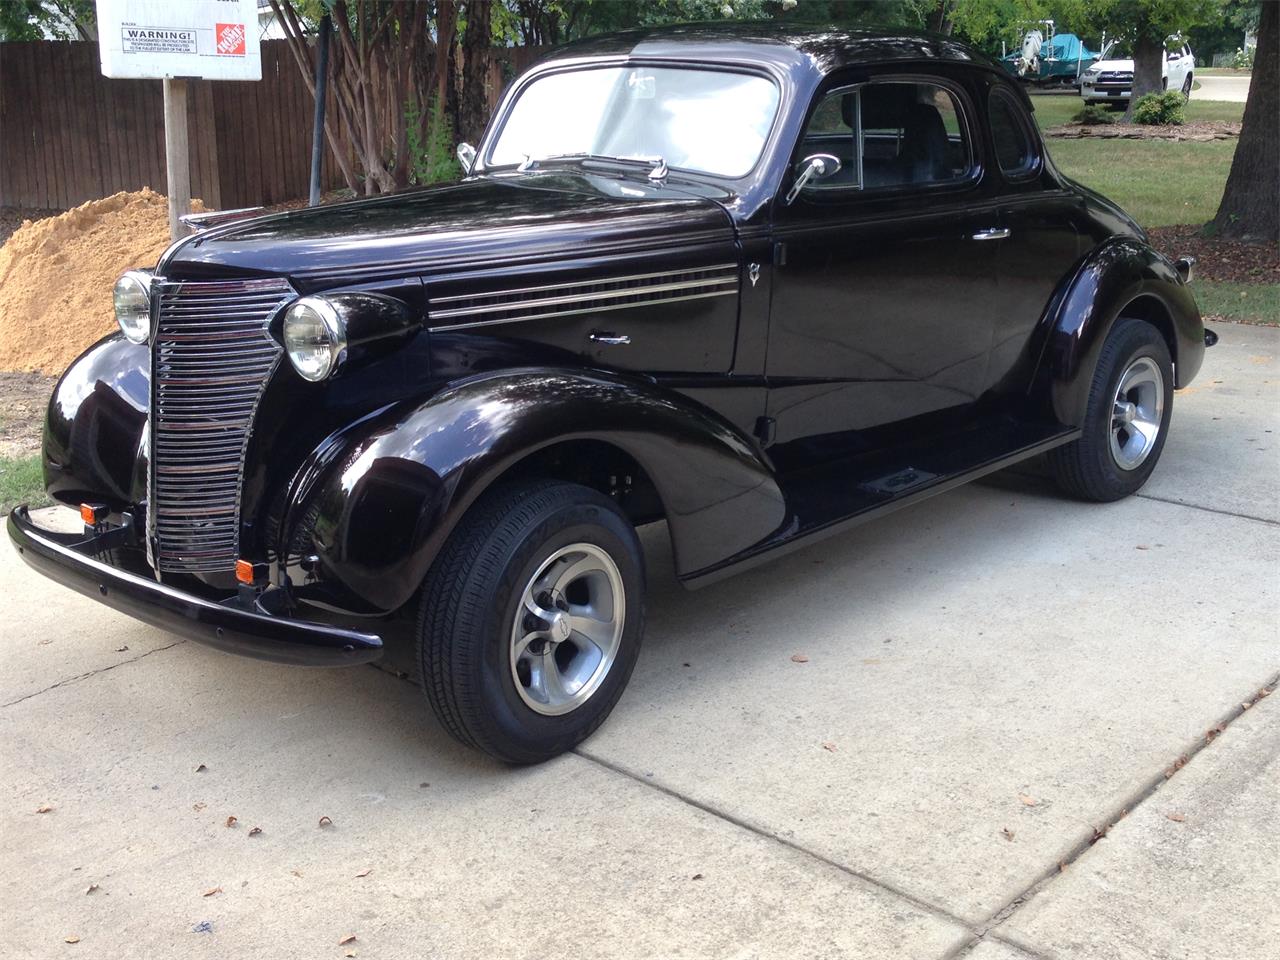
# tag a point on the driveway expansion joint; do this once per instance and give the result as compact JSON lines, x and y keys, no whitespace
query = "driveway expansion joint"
{"x":93,"y":673}
{"x":1128,"y":805}
{"x":913,"y":899}
{"x":1197,"y":506}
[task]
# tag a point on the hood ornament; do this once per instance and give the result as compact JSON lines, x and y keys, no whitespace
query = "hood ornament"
{"x":753,"y":272}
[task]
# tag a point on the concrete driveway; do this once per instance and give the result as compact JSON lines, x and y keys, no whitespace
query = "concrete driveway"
{"x":1234,"y":89}
{"x":995,"y":679}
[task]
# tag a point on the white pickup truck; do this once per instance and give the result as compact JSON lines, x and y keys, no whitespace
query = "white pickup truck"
{"x":1110,"y":79}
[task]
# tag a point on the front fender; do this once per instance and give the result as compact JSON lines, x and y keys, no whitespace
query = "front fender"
{"x":383,"y":511}
{"x":1113,"y":277}
{"x":95,"y":427}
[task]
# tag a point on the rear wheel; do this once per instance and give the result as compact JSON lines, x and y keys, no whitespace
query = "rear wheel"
{"x":1186,"y":88}
{"x":1126,"y":420}
{"x":531,"y":620}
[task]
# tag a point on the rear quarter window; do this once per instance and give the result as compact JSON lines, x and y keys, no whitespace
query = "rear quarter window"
{"x":1015,"y":148}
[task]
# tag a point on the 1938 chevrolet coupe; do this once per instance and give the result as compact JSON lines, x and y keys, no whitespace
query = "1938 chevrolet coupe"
{"x":761,"y":283}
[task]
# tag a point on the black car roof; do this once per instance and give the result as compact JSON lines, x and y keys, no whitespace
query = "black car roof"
{"x":785,"y":46}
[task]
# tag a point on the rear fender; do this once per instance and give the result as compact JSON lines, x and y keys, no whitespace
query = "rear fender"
{"x":1114,"y":276}
{"x":383,"y":510}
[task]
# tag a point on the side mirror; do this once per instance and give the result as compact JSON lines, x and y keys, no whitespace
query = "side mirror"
{"x":467,"y":157}
{"x":817,"y":166}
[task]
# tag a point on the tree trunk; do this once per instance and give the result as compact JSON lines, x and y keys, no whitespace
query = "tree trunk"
{"x":1250,"y":208}
{"x":1148,"y":71}
{"x":474,"y":109}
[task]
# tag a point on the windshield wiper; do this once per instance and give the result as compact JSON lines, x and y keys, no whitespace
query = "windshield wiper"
{"x":658,"y":169}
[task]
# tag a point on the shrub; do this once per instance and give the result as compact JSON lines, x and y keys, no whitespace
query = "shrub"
{"x":1243,"y":59}
{"x":1093,"y":113}
{"x":1159,"y":109}
{"x":431,"y":158}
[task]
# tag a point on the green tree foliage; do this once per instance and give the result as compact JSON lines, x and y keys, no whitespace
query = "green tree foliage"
{"x":41,"y":19}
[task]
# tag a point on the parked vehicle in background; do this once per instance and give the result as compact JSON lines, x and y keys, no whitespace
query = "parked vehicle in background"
{"x":1110,"y":79}
{"x":760,"y":282}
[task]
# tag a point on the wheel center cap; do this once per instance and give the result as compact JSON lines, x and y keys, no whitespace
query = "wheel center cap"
{"x":1125,"y":411}
{"x":561,"y":627}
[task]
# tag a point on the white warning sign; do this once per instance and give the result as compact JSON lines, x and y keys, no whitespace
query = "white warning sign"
{"x":210,"y":39}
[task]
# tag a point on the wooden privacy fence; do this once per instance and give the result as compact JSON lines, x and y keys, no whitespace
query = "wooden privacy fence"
{"x":69,"y":134}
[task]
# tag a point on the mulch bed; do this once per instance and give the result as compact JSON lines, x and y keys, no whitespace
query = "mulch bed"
{"x":1221,"y":261}
{"x":1200,"y":131}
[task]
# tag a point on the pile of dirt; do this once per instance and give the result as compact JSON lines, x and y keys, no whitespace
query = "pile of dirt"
{"x":56,"y":276}
{"x":1198,"y":130}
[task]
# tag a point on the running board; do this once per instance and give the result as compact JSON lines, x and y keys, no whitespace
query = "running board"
{"x":836,"y":496}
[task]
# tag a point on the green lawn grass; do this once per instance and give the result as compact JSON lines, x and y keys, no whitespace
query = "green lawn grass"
{"x":1242,"y":302}
{"x":1159,"y":182}
{"x":21,"y":481}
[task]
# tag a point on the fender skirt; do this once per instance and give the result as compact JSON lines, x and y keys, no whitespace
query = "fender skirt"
{"x":1113,"y":276}
{"x":382,"y":509}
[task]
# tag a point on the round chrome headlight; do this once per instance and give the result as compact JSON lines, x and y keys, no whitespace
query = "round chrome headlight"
{"x":132,"y":296}
{"x":315,"y":338}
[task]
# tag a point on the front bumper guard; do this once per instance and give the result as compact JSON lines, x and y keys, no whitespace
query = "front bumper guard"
{"x":72,"y":560}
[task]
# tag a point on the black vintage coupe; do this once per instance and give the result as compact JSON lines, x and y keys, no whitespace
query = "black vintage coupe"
{"x":759,"y":282}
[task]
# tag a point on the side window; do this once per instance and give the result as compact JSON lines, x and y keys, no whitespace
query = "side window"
{"x":1015,"y":152}
{"x":889,"y":134}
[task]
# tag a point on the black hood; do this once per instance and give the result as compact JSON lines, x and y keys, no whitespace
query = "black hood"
{"x":460,"y":226}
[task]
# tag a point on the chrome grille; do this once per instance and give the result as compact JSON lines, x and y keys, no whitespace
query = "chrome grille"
{"x":211,"y":360}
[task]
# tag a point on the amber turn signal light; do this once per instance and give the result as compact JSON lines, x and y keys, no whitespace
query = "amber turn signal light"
{"x":244,"y":571}
{"x":93,"y":513}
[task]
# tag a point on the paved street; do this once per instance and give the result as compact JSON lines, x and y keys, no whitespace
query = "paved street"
{"x":1234,"y":89}
{"x":994,"y":679}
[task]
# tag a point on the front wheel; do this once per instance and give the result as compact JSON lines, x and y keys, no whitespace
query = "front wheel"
{"x":1126,"y":419}
{"x":531,"y":619}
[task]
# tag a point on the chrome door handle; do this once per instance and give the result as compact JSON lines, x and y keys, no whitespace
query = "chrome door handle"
{"x":992,"y":233}
{"x":609,"y":339}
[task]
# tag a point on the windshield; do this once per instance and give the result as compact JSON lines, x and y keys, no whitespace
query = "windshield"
{"x":710,"y":121}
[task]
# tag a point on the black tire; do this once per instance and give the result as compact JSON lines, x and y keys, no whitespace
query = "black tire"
{"x":469,"y":607}
{"x":1186,"y":89}
{"x":1087,"y":468}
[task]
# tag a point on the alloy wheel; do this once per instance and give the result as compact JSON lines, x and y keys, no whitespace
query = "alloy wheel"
{"x":1137,"y":413}
{"x":567,"y":629}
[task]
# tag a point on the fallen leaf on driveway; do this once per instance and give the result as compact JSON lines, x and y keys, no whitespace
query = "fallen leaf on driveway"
{"x":231,"y":821}
{"x":696,"y":876}
{"x":201,"y":769}
{"x":828,"y":746}
{"x":296,"y":873}
{"x":1142,"y":546}
{"x":364,"y":873}
{"x":1177,"y":817}
{"x":253,"y":832}
{"x":799,"y":658}
{"x":325,"y":822}
{"x":197,"y":806}
{"x":1007,"y":834}
{"x":1177,"y":765}
{"x":1027,"y":801}
{"x":90,"y":888}
{"x":211,"y":891}
{"x":44,"y":809}
{"x":349,"y":938}
{"x":1213,"y":733}
{"x":71,"y":939}
{"x":122,"y":649}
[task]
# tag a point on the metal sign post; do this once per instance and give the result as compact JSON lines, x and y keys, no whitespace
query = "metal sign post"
{"x":176,"y":43}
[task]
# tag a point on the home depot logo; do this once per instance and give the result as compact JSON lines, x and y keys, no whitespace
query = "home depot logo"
{"x":230,"y":39}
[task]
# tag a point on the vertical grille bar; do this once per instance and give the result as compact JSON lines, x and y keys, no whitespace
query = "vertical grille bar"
{"x":211,"y":360}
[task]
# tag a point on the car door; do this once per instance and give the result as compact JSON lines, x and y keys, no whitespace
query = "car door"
{"x":1042,"y":245}
{"x":882,"y":269}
